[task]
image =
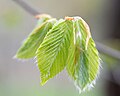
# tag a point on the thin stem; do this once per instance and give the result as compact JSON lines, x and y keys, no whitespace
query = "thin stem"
{"x":27,"y":7}
{"x":108,"y":50}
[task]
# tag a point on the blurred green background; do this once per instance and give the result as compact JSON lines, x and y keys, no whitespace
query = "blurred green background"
{"x":22,"y":78}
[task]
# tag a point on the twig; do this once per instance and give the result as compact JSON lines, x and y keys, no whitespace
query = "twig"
{"x":101,"y":47}
{"x":27,"y":7}
{"x":108,"y":50}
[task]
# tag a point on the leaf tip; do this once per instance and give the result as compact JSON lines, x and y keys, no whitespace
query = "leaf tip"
{"x":69,"y":18}
{"x":42,"y":16}
{"x":16,"y":56}
{"x":42,"y":83}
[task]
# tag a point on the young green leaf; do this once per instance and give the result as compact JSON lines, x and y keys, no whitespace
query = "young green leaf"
{"x":31,"y":44}
{"x":83,"y":59}
{"x":53,"y":52}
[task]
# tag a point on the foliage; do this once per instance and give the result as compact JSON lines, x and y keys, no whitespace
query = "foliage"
{"x":60,"y":44}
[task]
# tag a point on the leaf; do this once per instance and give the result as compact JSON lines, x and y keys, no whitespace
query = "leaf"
{"x":53,"y":52}
{"x":31,"y":44}
{"x":42,"y":18}
{"x":83,"y":59}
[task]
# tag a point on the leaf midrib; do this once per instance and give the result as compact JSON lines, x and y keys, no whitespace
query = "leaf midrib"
{"x":59,"y":47}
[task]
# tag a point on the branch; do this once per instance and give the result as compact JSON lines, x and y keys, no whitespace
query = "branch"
{"x":108,"y":50}
{"x":27,"y":7}
{"x":101,"y":47}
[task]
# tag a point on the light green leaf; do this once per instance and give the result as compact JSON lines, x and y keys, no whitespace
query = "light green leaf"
{"x":31,"y":44}
{"x":83,"y":59}
{"x":53,"y":52}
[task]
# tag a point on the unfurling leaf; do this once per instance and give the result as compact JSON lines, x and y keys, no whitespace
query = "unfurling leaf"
{"x":83,"y":59}
{"x":63,"y":44}
{"x":31,"y":44}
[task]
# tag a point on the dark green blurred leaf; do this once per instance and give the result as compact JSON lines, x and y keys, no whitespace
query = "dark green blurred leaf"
{"x":11,"y":18}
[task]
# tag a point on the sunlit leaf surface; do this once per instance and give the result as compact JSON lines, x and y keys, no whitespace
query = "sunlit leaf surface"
{"x":31,"y":44}
{"x":53,"y":52}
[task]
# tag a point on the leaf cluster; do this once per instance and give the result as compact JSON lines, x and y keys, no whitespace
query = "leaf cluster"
{"x":63,"y":44}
